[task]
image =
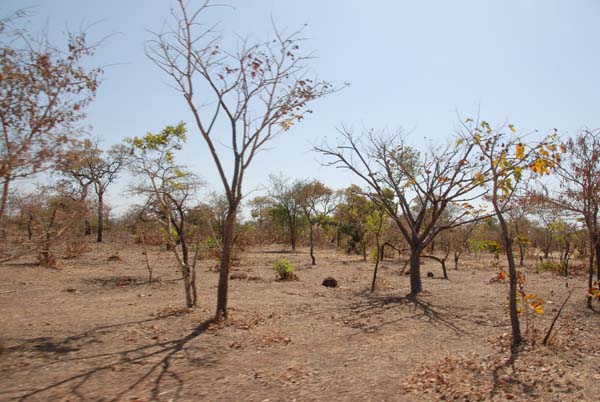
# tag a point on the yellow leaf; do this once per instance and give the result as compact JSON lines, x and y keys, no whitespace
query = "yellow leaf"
{"x":520,"y":151}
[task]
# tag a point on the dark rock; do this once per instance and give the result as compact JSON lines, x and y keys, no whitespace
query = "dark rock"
{"x":330,"y":282}
{"x":430,"y":274}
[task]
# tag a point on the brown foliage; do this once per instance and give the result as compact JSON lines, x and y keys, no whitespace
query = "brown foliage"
{"x":43,"y":91}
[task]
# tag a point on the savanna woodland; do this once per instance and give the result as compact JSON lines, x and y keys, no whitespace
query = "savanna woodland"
{"x":463,"y":267}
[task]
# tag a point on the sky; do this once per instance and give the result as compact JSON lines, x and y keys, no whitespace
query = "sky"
{"x":412,"y":66}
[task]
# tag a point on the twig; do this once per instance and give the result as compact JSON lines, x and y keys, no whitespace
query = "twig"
{"x":547,"y":337}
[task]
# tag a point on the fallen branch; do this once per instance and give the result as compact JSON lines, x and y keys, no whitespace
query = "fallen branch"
{"x":547,"y":337}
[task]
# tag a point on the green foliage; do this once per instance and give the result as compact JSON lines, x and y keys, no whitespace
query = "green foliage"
{"x":284,"y":268}
{"x":373,"y":254}
{"x":489,"y":246}
{"x":523,"y":240}
{"x":548,"y":266}
{"x":171,"y":236}
{"x":170,"y":137}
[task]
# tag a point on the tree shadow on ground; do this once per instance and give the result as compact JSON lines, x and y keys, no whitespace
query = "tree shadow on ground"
{"x":526,"y":389}
{"x":419,"y":309}
{"x":159,"y":357}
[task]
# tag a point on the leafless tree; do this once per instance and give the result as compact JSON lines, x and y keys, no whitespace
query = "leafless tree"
{"x":579,"y":175}
{"x":244,"y":97}
{"x":414,"y":189}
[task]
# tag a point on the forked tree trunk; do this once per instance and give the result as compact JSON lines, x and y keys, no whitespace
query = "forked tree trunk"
{"x":457,"y":255}
{"x":223,"y":286}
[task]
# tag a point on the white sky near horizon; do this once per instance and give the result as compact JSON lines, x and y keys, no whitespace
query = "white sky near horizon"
{"x":411,"y":65}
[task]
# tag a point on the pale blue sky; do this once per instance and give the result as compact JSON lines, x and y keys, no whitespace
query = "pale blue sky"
{"x":411,"y":64}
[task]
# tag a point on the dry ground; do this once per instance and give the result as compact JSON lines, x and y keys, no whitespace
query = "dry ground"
{"x":96,"y":331}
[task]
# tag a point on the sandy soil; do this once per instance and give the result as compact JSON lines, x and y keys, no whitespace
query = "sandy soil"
{"x":95,"y":330}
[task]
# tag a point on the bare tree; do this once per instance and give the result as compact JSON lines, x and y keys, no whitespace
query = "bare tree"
{"x":579,"y":175}
{"x":245,"y":97}
{"x":413,"y":189}
{"x":43,"y":91}
{"x":52,"y":218}
{"x":89,"y":165}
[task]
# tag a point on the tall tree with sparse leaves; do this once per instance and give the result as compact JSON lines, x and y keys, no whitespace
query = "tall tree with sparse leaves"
{"x":241,"y":98}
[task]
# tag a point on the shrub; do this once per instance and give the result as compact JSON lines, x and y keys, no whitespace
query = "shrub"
{"x":548,"y":266}
{"x":284,"y":269}
{"x":489,"y":246}
{"x":76,"y":249}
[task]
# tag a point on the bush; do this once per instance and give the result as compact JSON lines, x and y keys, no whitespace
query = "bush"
{"x":489,"y":246}
{"x":548,"y":266}
{"x":284,"y":269}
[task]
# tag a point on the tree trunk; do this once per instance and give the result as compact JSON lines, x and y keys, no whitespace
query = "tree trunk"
{"x":521,"y":254}
{"x":100,"y":217}
{"x":30,"y":228}
{"x":88,"y":227}
{"x":293,"y":237}
{"x":442,"y":262}
{"x":377,"y":259}
{"x":457,"y":255}
{"x":513,"y":284}
{"x":312,"y":247}
{"x":223,"y":286}
{"x":565,"y":258}
{"x":593,"y":254}
{"x":415,"y":270}
{"x":189,"y":286}
{"x":5,"y":187}
{"x":590,"y":276}
{"x":597,"y":258}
